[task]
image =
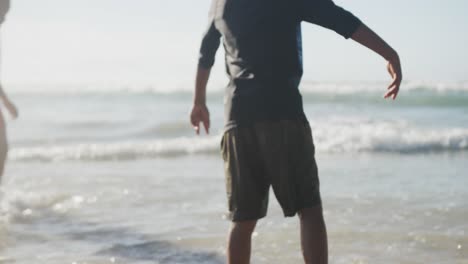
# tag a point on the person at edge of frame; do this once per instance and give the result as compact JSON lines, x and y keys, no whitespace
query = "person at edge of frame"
{"x":4,"y":8}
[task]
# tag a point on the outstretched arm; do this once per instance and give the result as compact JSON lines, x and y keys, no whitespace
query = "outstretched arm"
{"x":326,"y":14}
{"x":366,"y":37}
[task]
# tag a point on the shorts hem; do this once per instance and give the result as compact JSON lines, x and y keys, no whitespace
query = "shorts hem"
{"x":312,"y":204}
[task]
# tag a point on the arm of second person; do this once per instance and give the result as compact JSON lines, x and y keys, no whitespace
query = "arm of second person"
{"x":9,"y":105}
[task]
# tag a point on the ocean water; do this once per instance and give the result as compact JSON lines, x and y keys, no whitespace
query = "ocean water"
{"x":118,"y":176}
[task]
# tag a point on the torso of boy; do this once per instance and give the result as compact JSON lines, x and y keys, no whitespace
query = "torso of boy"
{"x":263,"y":45}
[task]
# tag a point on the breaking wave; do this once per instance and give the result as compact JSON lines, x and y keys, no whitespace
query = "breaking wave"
{"x":330,"y":136}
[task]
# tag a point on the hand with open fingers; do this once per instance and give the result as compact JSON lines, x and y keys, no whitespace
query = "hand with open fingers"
{"x":200,"y":114}
{"x":394,"y":68}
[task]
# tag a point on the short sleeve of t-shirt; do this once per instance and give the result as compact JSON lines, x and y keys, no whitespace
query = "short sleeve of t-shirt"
{"x":211,"y":41}
{"x":326,"y":14}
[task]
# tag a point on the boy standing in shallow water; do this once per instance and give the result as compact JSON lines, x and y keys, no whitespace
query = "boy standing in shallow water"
{"x":267,"y":139}
{"x":4,"y":7}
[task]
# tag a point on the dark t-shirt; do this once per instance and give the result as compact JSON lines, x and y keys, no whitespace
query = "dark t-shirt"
{"x":263,"y":44}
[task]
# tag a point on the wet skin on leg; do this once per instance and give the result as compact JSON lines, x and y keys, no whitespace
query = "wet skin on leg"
{"x":313,"y":236}
{"x":240,"y":242}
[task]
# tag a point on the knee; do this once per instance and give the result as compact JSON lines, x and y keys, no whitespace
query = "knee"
{"x":311,"y":214}
{"x":244,"y":228}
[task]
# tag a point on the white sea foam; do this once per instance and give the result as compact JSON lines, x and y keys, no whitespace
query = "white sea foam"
{"x":335,"y":135}
{"x":117,"y":151}
{"x":23,"y":207}
{"x":339,"y":135}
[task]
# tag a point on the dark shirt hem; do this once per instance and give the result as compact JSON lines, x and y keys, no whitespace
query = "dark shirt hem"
{"x":236,"y":124}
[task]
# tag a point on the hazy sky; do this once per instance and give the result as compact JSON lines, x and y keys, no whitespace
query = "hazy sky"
{"x":155,"y":42}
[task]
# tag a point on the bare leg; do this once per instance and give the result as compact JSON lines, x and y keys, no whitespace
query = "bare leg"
{"x":240,"y":241}
{"x":3,"y":145}
{"x":313,"y":236}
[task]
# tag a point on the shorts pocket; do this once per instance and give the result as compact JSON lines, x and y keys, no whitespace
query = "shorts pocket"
{"x":222,"y":147}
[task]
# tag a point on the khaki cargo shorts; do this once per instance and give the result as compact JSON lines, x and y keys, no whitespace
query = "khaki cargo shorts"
{"x":280,"y":154}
